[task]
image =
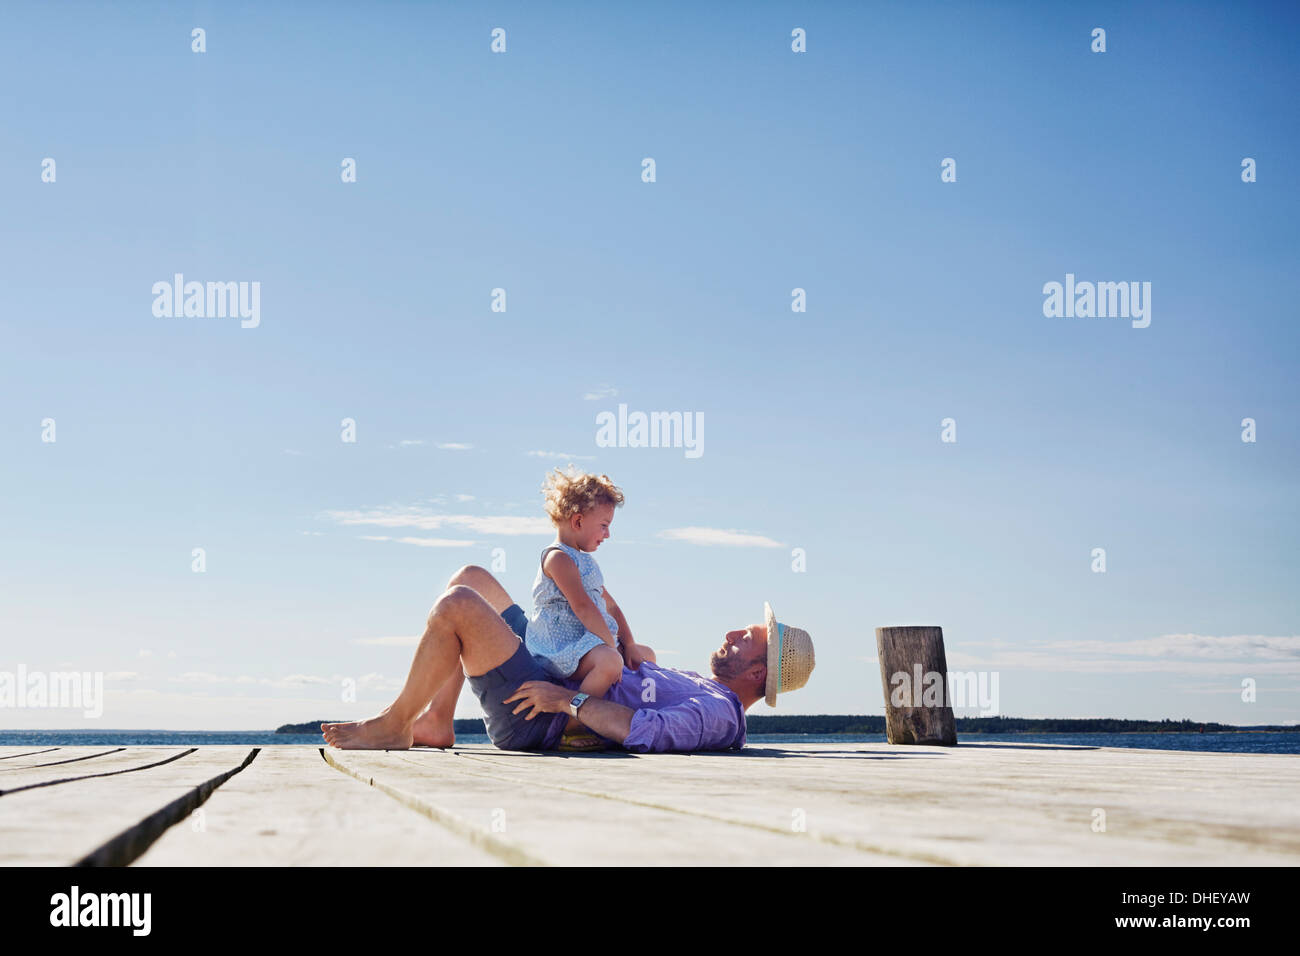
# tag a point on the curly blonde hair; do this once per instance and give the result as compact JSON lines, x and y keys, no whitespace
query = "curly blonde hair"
{"x":572,"y":492}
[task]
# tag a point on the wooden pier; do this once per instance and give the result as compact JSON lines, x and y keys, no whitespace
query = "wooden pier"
{"x":772,"y":804}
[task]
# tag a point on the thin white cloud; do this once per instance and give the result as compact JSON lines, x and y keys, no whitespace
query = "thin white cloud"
{"x":719,"y":536}
{"x":422,"y":520}
{"x":600,"y":392}
{"x":420,"y":542}
{"x":1191,"y":645}
{"x":297,"y":680}
{"x":454,"y":446}
{"x":464,"y":498}
{"x":1233,"y":689}
{"x":1228,"y":658}
{"x":400,"y":640}
{"x":411,"y":441}
{"x":288,"y":681}
{"x":560,"y":456}
{"x":435,"y":542}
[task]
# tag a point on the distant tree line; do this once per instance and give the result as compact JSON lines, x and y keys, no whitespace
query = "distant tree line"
{"x":832,"y":724}
{"x":867,"y":725}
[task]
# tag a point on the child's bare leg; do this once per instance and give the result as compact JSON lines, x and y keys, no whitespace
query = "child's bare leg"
{"x":599,"y":670}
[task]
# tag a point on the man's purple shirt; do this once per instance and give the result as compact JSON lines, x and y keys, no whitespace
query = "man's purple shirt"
{"x":673,"y":710}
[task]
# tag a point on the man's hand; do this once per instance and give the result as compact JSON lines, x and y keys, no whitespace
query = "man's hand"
{"x":634,"y":655}
{"x":542,"y":697}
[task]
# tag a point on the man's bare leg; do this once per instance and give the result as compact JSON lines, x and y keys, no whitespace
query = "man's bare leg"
{"x":436,"y":726}
{"x":463,"y":631}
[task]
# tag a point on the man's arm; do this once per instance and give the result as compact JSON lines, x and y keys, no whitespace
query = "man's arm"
{"x":612,"y":721}
{"x":698,"y":723}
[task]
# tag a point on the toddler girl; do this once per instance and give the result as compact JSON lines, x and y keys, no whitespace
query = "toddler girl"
{"x":572,"y":630}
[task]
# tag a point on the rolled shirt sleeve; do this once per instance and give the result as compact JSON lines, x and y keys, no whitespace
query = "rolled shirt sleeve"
{"x":697,"y":723}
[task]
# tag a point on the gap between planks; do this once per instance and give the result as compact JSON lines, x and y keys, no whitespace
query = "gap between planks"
{"x":848,"y":843}
{"x":498,"y":847}
{"x":129,"y":845}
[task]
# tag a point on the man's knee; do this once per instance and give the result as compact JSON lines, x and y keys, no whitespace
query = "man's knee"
{"x":469,"y":575}
{"x":454,"y":601}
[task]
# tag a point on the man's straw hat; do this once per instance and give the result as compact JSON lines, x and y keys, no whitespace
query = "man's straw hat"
{"x":789,"y":656}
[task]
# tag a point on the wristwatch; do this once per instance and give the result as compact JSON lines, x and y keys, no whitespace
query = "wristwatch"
{"x":577,"y":702}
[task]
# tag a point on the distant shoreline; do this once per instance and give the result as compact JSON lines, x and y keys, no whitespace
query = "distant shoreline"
{"x":832,"y":724}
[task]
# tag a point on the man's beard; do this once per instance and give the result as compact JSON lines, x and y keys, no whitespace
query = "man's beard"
{"x":726,"y":666}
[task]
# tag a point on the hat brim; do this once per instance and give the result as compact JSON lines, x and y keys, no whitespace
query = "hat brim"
{"x":773,"y":683}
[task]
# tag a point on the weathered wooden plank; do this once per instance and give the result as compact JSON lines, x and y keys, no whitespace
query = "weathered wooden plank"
{"x":59,"y":825}
{"x":11,"y":753}
{"x":973,"y":804}
{"x":548,"y":825}
{"x":41,"y":758}
{"x":290,"y":808}
{"x":1002,"y":803}
{"x":58,"y":773}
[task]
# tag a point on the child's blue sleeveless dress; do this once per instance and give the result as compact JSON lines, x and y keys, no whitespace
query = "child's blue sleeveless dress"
{"x":554,"y":634}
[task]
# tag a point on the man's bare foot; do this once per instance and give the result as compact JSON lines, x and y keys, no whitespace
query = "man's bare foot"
{"x":433,"y":730}
{"x":384,"y":732}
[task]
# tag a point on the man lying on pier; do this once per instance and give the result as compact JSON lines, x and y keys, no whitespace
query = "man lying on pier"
{"x":476,"y":626}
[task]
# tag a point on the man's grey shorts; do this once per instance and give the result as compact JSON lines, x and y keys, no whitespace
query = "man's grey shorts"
{"x":508,"y":730}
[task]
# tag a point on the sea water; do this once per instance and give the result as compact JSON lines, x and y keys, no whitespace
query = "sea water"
{"x":1245,"y":742}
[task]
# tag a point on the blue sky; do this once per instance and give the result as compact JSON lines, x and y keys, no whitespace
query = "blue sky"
{"x":775,"y":171}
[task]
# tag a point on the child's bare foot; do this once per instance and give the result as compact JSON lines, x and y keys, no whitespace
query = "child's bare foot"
{"x":434,"y":730}
{"x":384,"y":732}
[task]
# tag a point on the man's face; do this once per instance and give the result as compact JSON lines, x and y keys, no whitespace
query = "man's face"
{"x":740,"y":650}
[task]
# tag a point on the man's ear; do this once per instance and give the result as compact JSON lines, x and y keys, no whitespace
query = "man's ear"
{"x":759,"y":673}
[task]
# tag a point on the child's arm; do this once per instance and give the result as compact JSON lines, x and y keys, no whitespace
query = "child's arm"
{"x":616,"y":612}
{"x":561,"y":569}
{"x":633,"y":653}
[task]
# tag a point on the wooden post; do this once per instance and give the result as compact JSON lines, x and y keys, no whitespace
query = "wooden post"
{"x":914,"y":672}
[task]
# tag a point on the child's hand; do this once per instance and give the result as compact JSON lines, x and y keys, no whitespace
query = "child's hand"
{"x":637,"y":654}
